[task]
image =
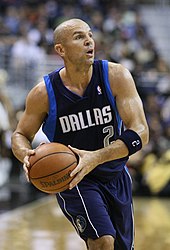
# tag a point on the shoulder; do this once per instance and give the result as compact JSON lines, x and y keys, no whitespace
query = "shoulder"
{"x":38,"y":92}
{"x":118,"y":71}
{"x":120,"y":78}
{"x":38,"y":97}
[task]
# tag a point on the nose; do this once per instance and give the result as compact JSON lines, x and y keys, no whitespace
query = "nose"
{"x":88,"y":41}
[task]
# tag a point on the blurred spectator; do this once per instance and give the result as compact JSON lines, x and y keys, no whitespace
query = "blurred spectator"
{"x":26,"y":56}
{"x":7,"y":125}
{"x":156,"y":173}
{"x":11,"y":20}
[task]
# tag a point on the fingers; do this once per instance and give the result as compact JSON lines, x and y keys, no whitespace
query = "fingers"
{"x":75,"y":150}
{"x":76,"y":170}
{"x":76,"y":180}
{"x":26,"y":171}
{"x":85,"y":165}
{"x":26,"y":164}
{"x":78,"y":173}
{"x":78,"y":153}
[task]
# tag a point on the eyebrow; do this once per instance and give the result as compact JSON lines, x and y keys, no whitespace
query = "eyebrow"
{"x":80,"y":32}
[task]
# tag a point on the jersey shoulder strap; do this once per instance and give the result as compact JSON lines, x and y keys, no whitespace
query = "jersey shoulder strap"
{"x":104,"y":69}
{"x":49,"y":124}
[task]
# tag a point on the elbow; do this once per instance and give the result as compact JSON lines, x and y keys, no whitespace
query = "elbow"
{"x":13,"y":142}
{"x":145,"y":136}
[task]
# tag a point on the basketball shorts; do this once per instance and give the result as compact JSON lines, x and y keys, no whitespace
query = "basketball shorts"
{"x":96,"y":209}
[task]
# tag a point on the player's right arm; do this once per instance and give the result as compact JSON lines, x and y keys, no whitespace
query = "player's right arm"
{"x":36,"y":109}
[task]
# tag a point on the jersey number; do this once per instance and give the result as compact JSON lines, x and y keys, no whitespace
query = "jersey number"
{"x":110,"y":132}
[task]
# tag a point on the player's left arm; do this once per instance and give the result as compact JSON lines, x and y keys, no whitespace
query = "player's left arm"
{"x":128,"y":101}
{"x":130,"y":109}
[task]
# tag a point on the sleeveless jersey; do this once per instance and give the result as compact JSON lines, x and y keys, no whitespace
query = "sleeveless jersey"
{"x":87,"y":122}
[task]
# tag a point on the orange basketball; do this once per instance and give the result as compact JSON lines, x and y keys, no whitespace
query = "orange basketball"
{"x":50,"y":167}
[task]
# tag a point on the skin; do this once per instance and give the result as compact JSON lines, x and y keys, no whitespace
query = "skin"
{"x":74,"y":43}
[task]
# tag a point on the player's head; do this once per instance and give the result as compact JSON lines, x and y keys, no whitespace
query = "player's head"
{"x":72,"y":38}
{"x":62,"y":30}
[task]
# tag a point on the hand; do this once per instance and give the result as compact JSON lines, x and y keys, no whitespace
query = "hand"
{"x":26,"y":164}
{"x":88,"y":160}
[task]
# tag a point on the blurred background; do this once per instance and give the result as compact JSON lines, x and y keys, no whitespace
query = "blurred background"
{"x":133,"y":33}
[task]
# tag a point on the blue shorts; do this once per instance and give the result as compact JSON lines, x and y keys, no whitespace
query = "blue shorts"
{"x":96,"y":209}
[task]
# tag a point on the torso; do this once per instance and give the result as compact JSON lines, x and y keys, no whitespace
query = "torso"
{"x":85,"y":121}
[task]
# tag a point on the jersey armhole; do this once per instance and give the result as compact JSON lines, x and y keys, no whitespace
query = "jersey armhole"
{"x":49,"y":125}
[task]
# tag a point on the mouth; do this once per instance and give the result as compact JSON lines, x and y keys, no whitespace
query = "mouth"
{"x":90,"y":52}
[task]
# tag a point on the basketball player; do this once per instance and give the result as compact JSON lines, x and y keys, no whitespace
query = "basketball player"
{"x":94,"y":107}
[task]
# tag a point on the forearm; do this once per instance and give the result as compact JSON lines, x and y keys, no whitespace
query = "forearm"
{"x":120,"y":148}
{"x":114,"y":151}
{"x":20,"y":146}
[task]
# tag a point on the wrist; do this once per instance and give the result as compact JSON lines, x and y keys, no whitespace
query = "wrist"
{"x":21,"y":153}
{"x":132,"y":141}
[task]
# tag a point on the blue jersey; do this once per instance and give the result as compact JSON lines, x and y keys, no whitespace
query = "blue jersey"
{"x":88,"y":122}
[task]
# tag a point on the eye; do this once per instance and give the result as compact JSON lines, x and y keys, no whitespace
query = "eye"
{"x":78,"y":37}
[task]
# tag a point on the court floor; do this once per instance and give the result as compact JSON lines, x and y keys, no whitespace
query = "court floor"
{"x":41,"y":226}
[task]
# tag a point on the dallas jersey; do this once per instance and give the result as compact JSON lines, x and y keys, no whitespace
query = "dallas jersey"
{"x":87,"y":122}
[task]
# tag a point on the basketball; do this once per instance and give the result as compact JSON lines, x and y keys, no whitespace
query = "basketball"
{"x":50,"y":167}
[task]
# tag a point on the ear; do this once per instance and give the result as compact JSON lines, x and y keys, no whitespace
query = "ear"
{"x":59,"y":49}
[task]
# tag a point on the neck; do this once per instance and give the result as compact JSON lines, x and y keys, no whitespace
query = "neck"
{"x":76,"y":78}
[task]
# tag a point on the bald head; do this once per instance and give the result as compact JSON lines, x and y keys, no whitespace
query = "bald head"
{"x":61,"y":31}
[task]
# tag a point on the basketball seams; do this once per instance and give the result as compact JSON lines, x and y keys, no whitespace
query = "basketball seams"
{"x":41,"y":177}
{"x":43,"y":157}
